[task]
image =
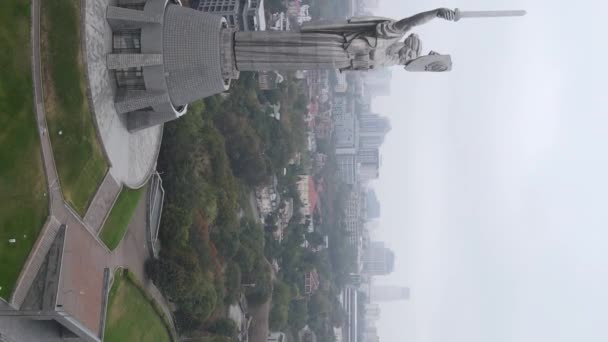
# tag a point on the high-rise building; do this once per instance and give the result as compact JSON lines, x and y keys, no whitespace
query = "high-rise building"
{"x":368,"y":172}
{"x":369,"y":156}
{"x":346,"y":128}
{"x":369,"y":160}
{"x":347,"y":168}
{"x":378,"y":82}
{"x":229,"y":9}
{"x":253,"y":16}
{"x":352,"y":217}
{"x":385,"y":293}
{"x":350,"y":300}
{"x":370,"y":333}
{"x":373,"y":205}
{"x":374,"y":124}
{"x":372,"y":131}
{"x":372,"y":311}
{"x":378,"y":259}
{"x":246,"y":15}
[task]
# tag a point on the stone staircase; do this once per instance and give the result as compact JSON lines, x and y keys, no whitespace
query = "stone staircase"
{"x":35,"y":260}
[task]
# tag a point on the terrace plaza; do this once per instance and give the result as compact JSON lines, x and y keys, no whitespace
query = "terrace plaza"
{"x":145,"y":60}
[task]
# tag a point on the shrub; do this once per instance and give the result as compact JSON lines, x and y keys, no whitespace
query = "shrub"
{"x":281,"y":297}
{"x":233,"y":283}
{"x":223,"y":326}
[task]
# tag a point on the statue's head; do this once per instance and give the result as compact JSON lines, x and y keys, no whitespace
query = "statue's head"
{"x":409,"y":56}
{"x":412,"y":46}
{"x":433,"y":62}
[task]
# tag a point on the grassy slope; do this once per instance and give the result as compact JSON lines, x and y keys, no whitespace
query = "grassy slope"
{"x":78,"y":155}
{"x":23,"y":207}
{"x":117,"y":223}
{"x":131,"y":316}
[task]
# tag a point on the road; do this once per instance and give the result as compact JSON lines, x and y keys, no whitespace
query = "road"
{"x":259,"y":329}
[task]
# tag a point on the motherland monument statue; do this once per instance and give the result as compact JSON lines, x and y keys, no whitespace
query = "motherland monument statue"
{"x":165,"y":56}
{"x":360,"y":43}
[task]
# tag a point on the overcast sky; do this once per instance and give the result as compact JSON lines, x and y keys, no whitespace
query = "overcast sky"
{"x":494,"y":185}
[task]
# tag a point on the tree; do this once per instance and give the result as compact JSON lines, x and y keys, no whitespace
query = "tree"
{"x":274,"y":95}
{"x":262,"y":278}
{"x":227,"y":240}
{"x":243,"y":148}
{"x":301,"y":102}
{"x":245,"y":258}
{"x":174,"y":225}
{"x":223,"y":326}
{"x":275,"y":5}
{"x":170,"y":277}
{"x":319,"y":304}
{"x":233,"y":283}
{"x":201,"y":301}
{"x":298,"y":314}
{"x":186,"y":321}
{"x":281,"y":297}
{"x":315,"y":239}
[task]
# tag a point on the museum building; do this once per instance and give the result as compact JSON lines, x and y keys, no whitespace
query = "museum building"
{"x":165,"y":56}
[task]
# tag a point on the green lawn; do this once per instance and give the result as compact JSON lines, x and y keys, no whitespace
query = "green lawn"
{"x":23,"y":206}
{"x":131,"y":316}
{"x":117,"y":223}
{"x":78,"y":154}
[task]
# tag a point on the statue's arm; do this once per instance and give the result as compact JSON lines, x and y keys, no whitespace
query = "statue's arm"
{"x":422,"y":18}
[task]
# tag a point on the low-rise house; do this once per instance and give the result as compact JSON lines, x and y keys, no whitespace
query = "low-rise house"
{"x":307,"y":335}
{"x":268,"y":197}
{"x":311,"y":282}
{"x":276,"y":337}
{"x":285,"y":215}
{"x":309,"y":197}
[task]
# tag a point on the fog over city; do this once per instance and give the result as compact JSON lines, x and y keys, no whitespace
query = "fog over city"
{"x":253,"y":171}
{"x":493,"y":184}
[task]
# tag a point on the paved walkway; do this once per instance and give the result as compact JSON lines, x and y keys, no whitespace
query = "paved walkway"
{"x":39,"y":250}
{"x":85,"y":256}
{"x":102,"y":203}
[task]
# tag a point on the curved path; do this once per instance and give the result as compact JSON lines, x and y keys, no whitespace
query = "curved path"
{"x":85,"y":257}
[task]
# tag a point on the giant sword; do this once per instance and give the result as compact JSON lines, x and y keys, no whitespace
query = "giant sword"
{"x":487,"y":14}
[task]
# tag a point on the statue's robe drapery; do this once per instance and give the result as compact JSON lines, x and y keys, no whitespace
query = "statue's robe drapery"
{"x":356,"y":44}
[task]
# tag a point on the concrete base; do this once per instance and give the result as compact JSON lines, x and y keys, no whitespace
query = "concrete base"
{"x":136,"y":121}
{"x":132,"y":155}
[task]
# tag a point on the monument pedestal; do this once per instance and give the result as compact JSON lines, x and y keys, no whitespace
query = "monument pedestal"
{"x":165,"y":56}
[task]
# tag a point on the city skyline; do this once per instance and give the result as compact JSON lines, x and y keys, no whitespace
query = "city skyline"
{"x":492,"y":179}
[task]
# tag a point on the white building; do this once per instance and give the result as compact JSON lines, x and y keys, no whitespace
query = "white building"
{"x":285,"y":215}
{"x":342,"y":84}
{"x":279,"y":22}
{"x":338,"y":334}
{"x":276,"y":337}
{"x":304,"y":15}
{"x":268,"y":198}
{"x":306,"y":189}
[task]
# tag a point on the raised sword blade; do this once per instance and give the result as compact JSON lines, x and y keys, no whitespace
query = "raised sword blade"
{"x":488,"y":14}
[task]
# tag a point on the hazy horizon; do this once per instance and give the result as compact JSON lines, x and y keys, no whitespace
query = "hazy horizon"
{"x":493,"y":184}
